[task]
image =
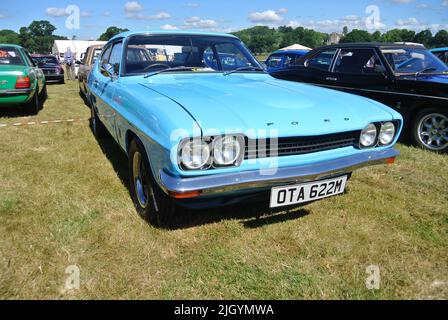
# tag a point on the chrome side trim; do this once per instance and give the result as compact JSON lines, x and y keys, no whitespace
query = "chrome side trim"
{"x":380,"y":91}
{"x":253,"y":181}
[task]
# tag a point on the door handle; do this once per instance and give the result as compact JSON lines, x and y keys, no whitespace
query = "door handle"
{"x":331,"y":79}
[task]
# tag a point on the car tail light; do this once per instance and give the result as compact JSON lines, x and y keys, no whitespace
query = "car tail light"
{"x":23,"y":82}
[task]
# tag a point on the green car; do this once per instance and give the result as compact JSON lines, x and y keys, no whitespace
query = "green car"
{"x":22,"y":83}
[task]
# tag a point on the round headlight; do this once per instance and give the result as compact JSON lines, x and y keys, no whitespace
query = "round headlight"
{"x":227,"y":150}
{"x":195,"y":155}
{"x":387,"y":133}
{"x":368,"y":136}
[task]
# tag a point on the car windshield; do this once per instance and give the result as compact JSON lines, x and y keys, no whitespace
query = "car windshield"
{"x":146,"y":53}
{"x":46,"y":60}
{"x":10,"y":56}
{"x":413,"y":60}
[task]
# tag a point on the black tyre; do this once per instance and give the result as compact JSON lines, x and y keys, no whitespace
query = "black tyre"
{"x":98,"y":128}
{"x":430,"y":130}
{"x":43,"y":95}
{"x":150,"y":201}
{"x":33,"y":105}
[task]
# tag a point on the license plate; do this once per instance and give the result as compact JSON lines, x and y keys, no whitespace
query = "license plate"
{"x":306,"y":192}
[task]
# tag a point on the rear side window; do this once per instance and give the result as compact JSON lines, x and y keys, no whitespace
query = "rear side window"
{"x":322,"y":61}
{"x":10,"y":56}
{"x":358,"y":61}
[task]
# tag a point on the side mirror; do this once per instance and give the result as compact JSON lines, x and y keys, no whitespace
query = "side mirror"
{"x":108,"y":70}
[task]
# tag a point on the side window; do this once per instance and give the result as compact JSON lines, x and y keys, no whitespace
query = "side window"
{"x":274,"y":62}
{"x":322,"y":61}
{"x":359,"y":61}
{"x":105,"y":55}
{"x":115,"y":57}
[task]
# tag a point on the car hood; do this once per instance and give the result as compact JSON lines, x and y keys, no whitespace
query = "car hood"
{"x":438,"y":78}
{"x":261,"y":102}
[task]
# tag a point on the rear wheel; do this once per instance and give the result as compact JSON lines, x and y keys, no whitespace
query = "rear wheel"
{"x":98,"y":128}
{"x":150,"y":201}
{"x":33,"y":105}
{"x":430,"y":130}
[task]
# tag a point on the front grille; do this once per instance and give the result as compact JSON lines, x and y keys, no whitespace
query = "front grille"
{"x":291,"y":146}
{"x":49,"y":71}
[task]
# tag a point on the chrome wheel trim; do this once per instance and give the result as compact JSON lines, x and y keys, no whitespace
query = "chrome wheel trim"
{"x":139,"y":178}
{"x":433,"y":131}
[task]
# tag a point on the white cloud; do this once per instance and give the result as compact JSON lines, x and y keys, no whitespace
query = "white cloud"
{"x":193,"y":5}
{"x":422,"y":5}
{"x":268,"y":16}
{"x":198,"y":23}
{"x":169,"y":27}
{"x":407,"y":22}
{"x":402,"y":1}
{"x":2,"y":16}
{"x":56,"y":12}
{"x":85,"y":14}
{"x":132,"y":7}
{"x":161,"y":16}
{"x":445,"y":3}
{"x":107,"y":13}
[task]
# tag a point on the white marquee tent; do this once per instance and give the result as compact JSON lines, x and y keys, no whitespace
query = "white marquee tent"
{"x":295,"y":47}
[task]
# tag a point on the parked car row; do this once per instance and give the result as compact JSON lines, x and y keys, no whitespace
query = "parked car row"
{"x":204,"y":125}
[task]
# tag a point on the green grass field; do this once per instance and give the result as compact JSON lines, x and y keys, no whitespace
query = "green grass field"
{"x":64,"y":201}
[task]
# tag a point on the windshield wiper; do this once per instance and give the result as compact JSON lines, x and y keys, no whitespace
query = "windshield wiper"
{"x":181,"y":68}
{"x":252,"y":68}
{"x":424,"y":71}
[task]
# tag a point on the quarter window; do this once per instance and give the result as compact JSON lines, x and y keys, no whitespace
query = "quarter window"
{"x":321,"y":61}
{"x":359,"y":61}
{"x":115,"y":57}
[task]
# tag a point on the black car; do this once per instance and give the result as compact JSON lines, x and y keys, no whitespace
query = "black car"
{"x":406,"y":77}
{"x":51,"y":67}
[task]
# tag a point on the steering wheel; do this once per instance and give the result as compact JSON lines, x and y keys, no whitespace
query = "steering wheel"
{"x":156,"y":65}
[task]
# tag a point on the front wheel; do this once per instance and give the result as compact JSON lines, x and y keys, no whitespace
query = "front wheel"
{"x":430,"y":130}
{"x":150,"y":201}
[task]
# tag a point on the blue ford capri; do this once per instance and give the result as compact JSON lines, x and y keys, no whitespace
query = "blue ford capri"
{"x":203,"y":125}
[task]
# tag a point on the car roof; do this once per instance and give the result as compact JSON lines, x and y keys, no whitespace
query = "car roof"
{"x":439,"y":49}
{"x":374,"y":45}
{"x":301,"y":52}
{"x":171,"y":32}
{"x":11,"y":45}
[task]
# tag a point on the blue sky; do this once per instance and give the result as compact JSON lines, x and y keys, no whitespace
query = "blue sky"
{"x":227,"y":16}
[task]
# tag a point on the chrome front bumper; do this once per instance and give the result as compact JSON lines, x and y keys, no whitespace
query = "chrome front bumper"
{"x":253,"y":181}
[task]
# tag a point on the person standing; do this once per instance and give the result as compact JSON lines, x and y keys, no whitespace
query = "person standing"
{"x":69,"y":61}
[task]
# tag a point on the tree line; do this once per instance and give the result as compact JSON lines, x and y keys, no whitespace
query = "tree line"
{"x":262,"y":40}
{"x":39,"y":37}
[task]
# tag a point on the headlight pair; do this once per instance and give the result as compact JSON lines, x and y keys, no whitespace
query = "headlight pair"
{"x":377,"y":134}
{"x":203,"y":154}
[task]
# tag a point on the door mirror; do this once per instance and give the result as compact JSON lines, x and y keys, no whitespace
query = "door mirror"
{"x":108,"y":70}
